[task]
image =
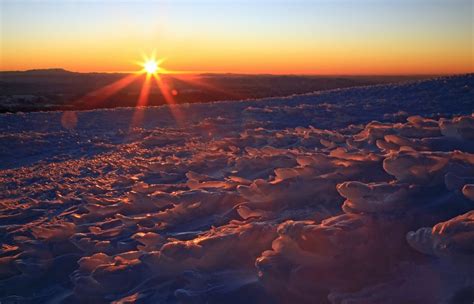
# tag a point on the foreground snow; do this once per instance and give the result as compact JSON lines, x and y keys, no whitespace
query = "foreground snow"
{"x":292,"y":200}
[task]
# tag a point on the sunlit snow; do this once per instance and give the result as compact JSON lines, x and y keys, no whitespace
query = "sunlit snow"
{"x":361,"y":195}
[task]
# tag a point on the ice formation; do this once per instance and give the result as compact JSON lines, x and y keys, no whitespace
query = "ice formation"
{"x":292,"y":200}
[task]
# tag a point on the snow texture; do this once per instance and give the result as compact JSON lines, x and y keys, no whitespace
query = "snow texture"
{"x":362,"y":195}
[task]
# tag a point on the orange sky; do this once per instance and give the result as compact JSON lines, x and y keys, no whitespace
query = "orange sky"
{"x":309,"y":37}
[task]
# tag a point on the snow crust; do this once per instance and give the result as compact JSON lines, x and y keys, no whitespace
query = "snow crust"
{"x":347,"y":196}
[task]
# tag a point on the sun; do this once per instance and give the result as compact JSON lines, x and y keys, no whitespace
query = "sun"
{"x":151,"y":66}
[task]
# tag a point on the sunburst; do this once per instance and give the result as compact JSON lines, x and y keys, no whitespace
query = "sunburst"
{"x":151,"y":65}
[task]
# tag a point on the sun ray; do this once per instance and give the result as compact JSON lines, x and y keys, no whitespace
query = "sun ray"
{"x":198,"y":81}
{"x":94,"y":98}
{"x":142,"y":101}
{"x":169,"y":99}
{"x":144,"y":92}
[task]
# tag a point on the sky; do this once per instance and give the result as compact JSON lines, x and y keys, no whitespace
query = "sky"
{"x":260,"y":36}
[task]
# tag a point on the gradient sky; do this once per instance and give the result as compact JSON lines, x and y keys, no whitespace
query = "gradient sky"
{"x":307,"y":37}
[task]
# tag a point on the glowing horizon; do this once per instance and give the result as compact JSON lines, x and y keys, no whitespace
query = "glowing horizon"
{"x":259,"y":37}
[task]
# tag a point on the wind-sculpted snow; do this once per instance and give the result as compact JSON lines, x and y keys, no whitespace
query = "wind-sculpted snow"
{"x":293,"y":200}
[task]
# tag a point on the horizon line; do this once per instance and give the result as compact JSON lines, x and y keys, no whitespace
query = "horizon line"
{"x":243,"y":73}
